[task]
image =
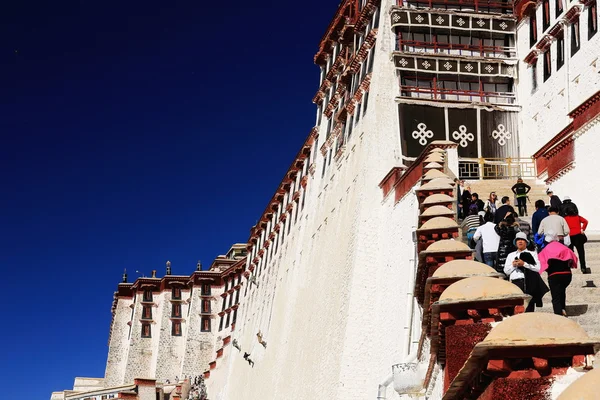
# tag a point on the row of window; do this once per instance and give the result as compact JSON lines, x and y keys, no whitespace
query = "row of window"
{"x":175,"y":327}
{"x":355,"y":45}
{"x":448,"y":88}
{"x":455,"y":44}
{"x":575,"y":45}
{"x":286,"y":224}
{"x":592,"y":15}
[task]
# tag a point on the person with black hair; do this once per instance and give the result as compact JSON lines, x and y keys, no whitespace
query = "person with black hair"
{"x":522,"y":268}
{"x":554,"y":201}
{"x":491,"y":205}
{"x":507,"y":230}
{"x":554,"y":223}
{"x":540,"y":213}
{"x":465,"y":200}
{"x":577,"y":226}
{"x":476,"y":202}
{"x":503,"y":210}
{"x":489,"y":238}
{"x":520,"y":189}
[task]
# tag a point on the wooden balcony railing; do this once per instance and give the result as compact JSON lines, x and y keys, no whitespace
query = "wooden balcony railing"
{"x":435,"y":93}
{"x":496,"y":168}
{"x":457,"y":48}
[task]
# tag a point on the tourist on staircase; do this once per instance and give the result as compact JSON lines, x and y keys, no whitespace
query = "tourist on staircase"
{"x":554,"y":200}
{"x":557,"y":259}
{"x":540,"y":213}
{"x":465,"y":200}
{"x":476,"y":203}
{"x":556,"y":224}
{"x":577,"y":226}
{"x":523,"y":269}
{"x":486,"y":234}
{"x":503,"y":210}
{"x":521,"y":189}
{"x":568,"y":207}
{"x":469,"y":226}
{"x":526,"y":229}
{"x":507,"y":230}
{"x":491,"y":205}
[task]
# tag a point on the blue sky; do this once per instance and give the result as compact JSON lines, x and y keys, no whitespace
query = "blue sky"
{"x":133,"y":133}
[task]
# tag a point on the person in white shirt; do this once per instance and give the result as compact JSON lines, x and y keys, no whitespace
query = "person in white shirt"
{"x":515,"y":265}
{"x":490,"y":240}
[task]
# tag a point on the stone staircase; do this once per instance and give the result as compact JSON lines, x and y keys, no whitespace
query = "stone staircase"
{"x":583,"y":301}
{"x":583,"y":294}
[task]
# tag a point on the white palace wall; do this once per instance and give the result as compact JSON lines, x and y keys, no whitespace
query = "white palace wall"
{"x":545,"y":110}
{"x":331,"y":304}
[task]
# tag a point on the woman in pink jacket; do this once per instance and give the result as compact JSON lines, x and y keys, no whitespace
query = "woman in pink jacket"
{"x":557,"y":260}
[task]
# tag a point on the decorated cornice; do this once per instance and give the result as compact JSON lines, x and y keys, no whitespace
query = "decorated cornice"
{"x":446,"y":64}
{"x":365,"y":15}
{"x":361,"y":54}
{"x":346,"y":14}
{"x":404,"y":17}
{"x":335,"y":100}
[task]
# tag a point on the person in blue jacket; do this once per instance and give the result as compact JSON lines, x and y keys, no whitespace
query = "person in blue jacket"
{"x":540,"y":213}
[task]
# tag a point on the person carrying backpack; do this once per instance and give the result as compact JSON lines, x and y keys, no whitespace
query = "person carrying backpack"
{"x":520,"y":189}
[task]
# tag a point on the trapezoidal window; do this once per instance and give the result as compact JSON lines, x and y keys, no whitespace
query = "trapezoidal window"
{"x":146,"y":331}
{"x":575,"y":38}
{"x":547,"y":65}
{"x":592,"y":19}
{"x":147,"y":295}
{"x":532,"y":28}
{"x":176,"y":293}
{"x":205,"y":324}
{"x":176,"y":311}
{"x":147,"y":312}
{"x":176,"y":328}
{"x":559,"y":8}
{"x":546,"y":14}
{"x":560,"y":50}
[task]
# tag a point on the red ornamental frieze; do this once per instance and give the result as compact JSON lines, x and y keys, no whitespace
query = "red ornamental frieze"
{"x":365,"y":16}
{"x":304,"y":181}
{"x":289,"y":207}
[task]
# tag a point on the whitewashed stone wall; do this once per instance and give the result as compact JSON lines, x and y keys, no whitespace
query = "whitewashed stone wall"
{"x":331,"y":303}
{"x":581,"y":183}
{"x":118,"y":350}
{"x":545,"y":111}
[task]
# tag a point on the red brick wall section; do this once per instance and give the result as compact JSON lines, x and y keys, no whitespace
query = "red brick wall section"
{"x":561,"y":160}
{"x":461,"y":339}
{"x":521,"y":389}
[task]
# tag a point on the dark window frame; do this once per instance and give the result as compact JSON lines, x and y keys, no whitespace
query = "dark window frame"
{"x":205,"y":324}
{"x":206,"y":289}
{"x":560,"y":50}
{"x":592,"y":19}
{"x":146,"y":330}
{"x":176,"y":328}
{"x":176,"y":310}
{"x":547,"y":65}
{"x":575,"y":36}
{"x":545,"y":15}
{"x":176,"y":293}
{"x":559,"y":8}
{"x":533,"y":37}
{"x":147,"y":312}
{"x":147,"y":295}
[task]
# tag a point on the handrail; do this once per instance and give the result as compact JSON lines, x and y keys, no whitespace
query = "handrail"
{"x":457,"y":46}
{"x":497,"y":168}
{"x":437,"y":93}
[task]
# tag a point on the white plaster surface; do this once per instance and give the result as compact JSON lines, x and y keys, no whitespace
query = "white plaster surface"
{"x":563,"y":381}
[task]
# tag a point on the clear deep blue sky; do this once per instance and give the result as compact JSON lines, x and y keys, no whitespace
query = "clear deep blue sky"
{"x":134,"y":132}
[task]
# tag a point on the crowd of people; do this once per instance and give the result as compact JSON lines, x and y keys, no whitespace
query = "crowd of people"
{"x":506,"y":242}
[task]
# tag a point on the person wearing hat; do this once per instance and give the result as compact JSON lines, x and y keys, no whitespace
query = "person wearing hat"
{"x":568,"y":207}
{"x":522,"y":268}
{"x":557,"y":260}
{"x":521,"y":189}
{"x":554,"y":201}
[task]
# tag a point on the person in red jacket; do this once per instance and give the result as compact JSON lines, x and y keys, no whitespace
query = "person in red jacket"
{"x":577,"y":225}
